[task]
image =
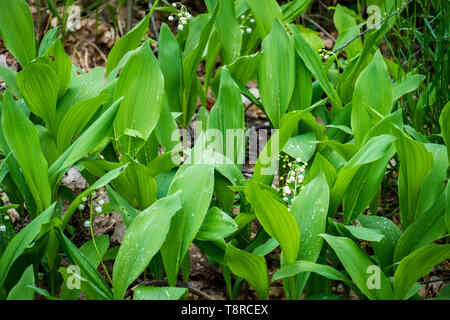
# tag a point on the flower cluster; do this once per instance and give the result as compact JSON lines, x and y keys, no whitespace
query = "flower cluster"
{"x":98,"y":207}
{"x":293,"y":179}
{"x":245,"y":28}
{"x":324,"y":54}
{"x":183,"y":15}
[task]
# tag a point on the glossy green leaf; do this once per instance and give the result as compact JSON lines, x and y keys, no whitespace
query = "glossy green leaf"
{"x":444,"y":121}
{"x":276,"y":73}
{"x":196,"y":183}
{"x":22,"y":291}
{"x":275,"y":218}
{"x":75,"y":256}
{"x":384,"y":249}
{"x":160,"y":293}
{"x":87,"y":141}
{"x":31,"y":80}
{"x":227,"y":116}
{"x":170,"y":59}
{"x":250,"y":267}
{"x":61,"y":64}
{"x":415,"y":165}
{"x":143,"y":239}
{"x":216,"y":226}
{"x":140,"y":112}
{"x":304,"y":266}
{"x":265,"y":13}
{"x":310,"y":210}
{"x":373,"y":89}
{"x":76,"y":119}
{"x":416,"y":265}
{"x":21,"y":136}
{"x":407,"y":85}
{"x":127,"y":43}
{"x":314,"y":64}
{"x":22,"y":240}
{"x":357,"y":264}
{"x":17,"y":30}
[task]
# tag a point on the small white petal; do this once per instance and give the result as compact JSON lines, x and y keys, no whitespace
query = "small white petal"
{"x":2,"y":228}
{"x":101,"y":202}
{"x":180,"y":27}
{"x":252,"y":20}
{"x":98,"y":209}
{"x":249,"y":30}
{"x":174,"y":5}
{"x":84,"y":199}
{"x":87,"y":224}
{"x":171,"y":18}
{"x":81,"y":207}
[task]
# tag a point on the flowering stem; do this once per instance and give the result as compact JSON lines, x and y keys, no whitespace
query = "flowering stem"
{"x":91,"y":228}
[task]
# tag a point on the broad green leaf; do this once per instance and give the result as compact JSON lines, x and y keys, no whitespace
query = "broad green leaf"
{"x":250,"y":267}
{"x":22,"y":291}
{"x":357,"y":264}
{"x":141,"y":83}
{"x":170,"y":57}
{"x":87,"y":141}
{"x":265,"y":13}
{"x":444,"y":121}
{"x":407,"y":85}
{"x":416,"y":265}
{"x":373,"y":150}
{"x":17,"y":30}
{"x":89,"y":250}
{"x":384,"y":249}
{"x":127,"y":43}
{"x":227,"y":116}
{"x":275,"y":218}
{"x":9,"y":77}
{"x":415,"y":165}
{"x":321,"y":164}
{"x":276,"y":73}
{"x":76,"y":119}
{"x":304,"y":266}
{"x":196,"y":183}
{"x":95,"y":280}
{"x":345,"y":23}
{"x":365,"y":186}
{"x":49,"y":37}
{"x":82,"y":87}
{"x":103,"y":181}
{"x":310,"y":210}
{"x":433,"y":186}
{"x":143,"y":239}
{"x":314,"y":64}
{"x":216,"y":226}
{"x":31,"y":80}
{"x":142,"y":181}
{"x":160,"y":293}
{"x":120,"y":205}
{"x":192,"y":56}
{"x":373,"y":89}
{"x":302,"y":146}
{"x":367,"y":234}
{"x":228,"y":28}
{"x":302,"y":95}
{"x":267,"y":162}
{"x":429,"y":227}
{"x":22,"y":137}
{"x":61,"y":64}
{"x":295,"y":8}
{"x":22,"y":240}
